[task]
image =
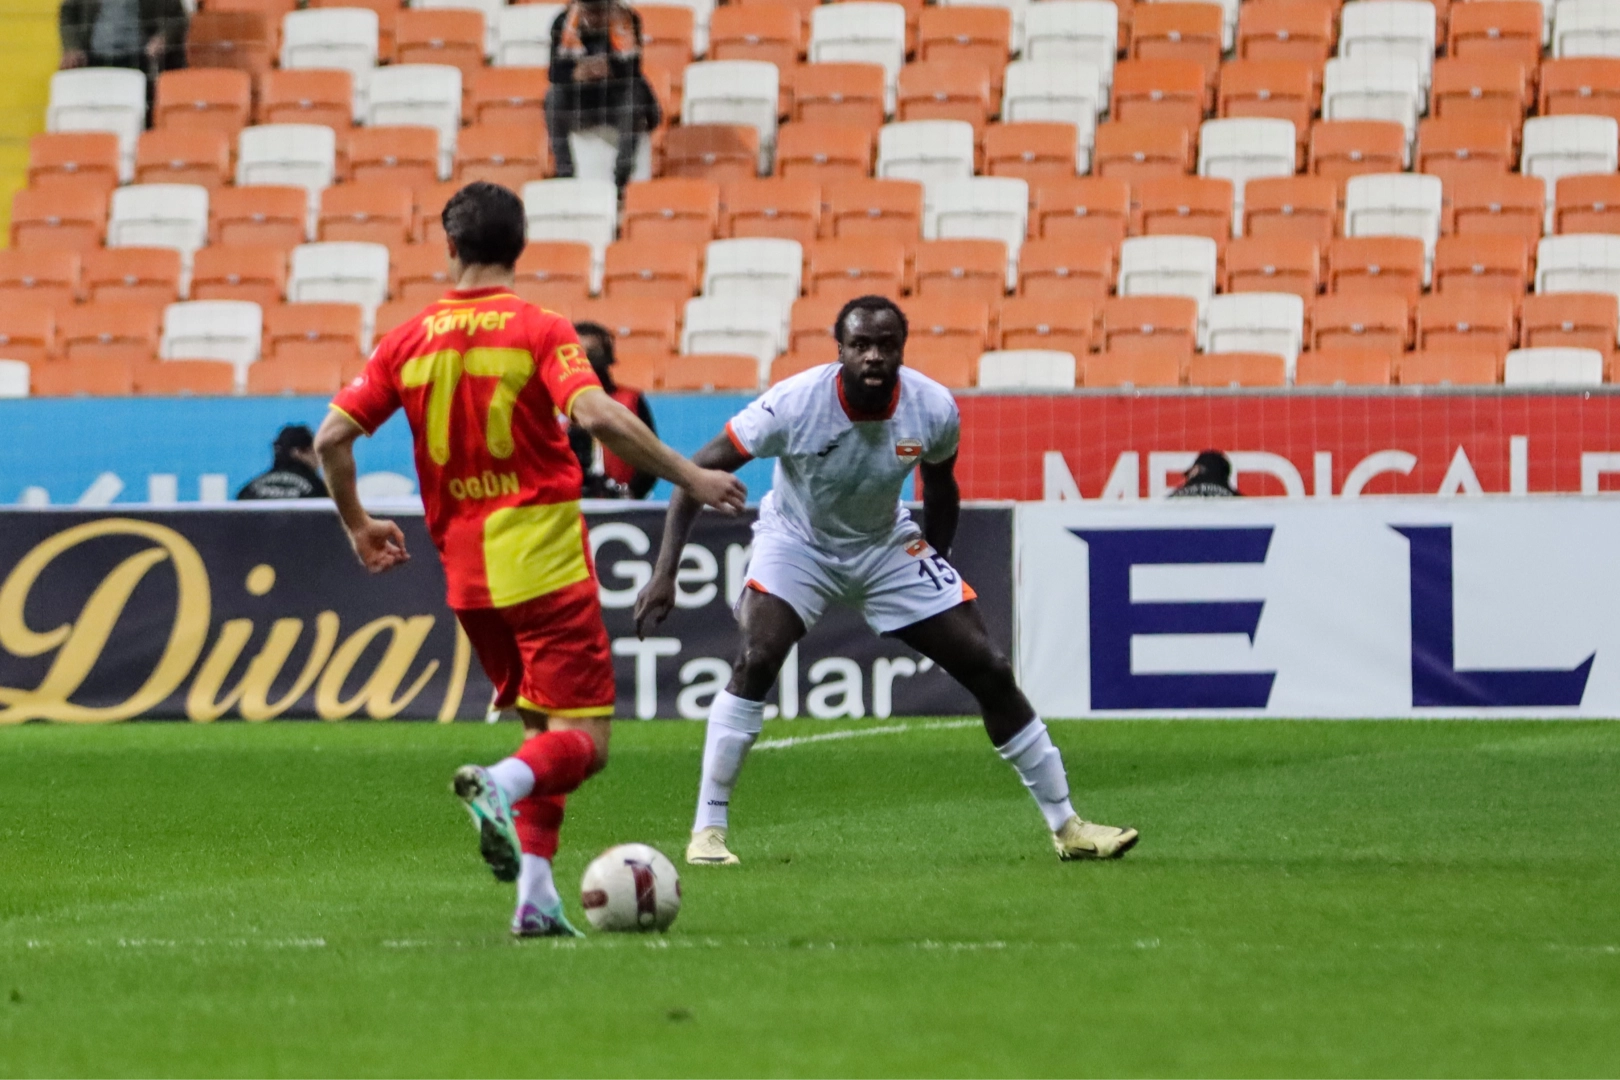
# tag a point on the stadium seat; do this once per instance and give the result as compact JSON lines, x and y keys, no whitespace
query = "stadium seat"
{"x":1294,"y":30}
{"x":108,"y":333}
{"x":651,"y":269}
{"x":237,"y":40}
{"x":1168,"y":266}
{"x":953,"y":89}
{"x":1344,"y":367}
{"x":176,"y":156}
{"x":1575,"y":320}
{"x":227,"y":330}
{"x":975,"y":35}
{"x":14,"y":379}
{"x":490,"y":9}
{"x":1553,"y":367}
{"x":418,"y":273}
{"x":1479,"y":90}
{"x":227,"y":272}
{"x":1464,"y":322}
{"x":639,"y":366}
{"x":315,"y":331}
{"x":743,"y":93}
{"x":1033,"y":149}
{"x":259,"y":216}
{"x":740,"y":324}
{"x":1361,"y":321}
{"x":1255,"y":323}
{"x":861,"y":33}
{"x":430,"y":203}
{"x":391,"y":316}
{"x":951,"y":361}
{"x":1128,"y":369}
{"x":439,"y":36}
{"x":1065,"y":93}
{"x":1346,"y":148}
{"x":571,"y":209}
{"x":1482,"y":263}
{"x":1399,"y":29}
{"x":1459,"y":151}
{"x":323,"y":375}
{"x":87,"y":378}
{"x":1164,"y":325}
{"x":1134,"y":152}
{"x":58,"y":220}
{"x":670,"y":35}
{"x":640,"y":324}
{"x":831,"y":93}
{"x":371,"y":213}
{"x":1081,"y":209}
{"x":1376,"y":264}
{"x":419,"y":95}
{"x":1244,"y":149}
{"x":1372,"y":86}
{"x":1184,"y":206}
{"x":1157,"y":92}
{"x":100,"y":99}
{"x":763,"y":30}
{"x":299,"y":155}
{"x":508,"y":94}
{"x":204,"y":101}
{"x":713,"y":152}
{"x":132,"y":275}
{"x":344,"y":273}
{"x":523,"y":35}
{"x":1585,"y":28}
{"x":85,"y":161}
{"x":842,"y":269}
{"x":947,"y":320}
{"x":962,"y":270}
{"x":773,"y":207}
{"x":311,"y":96}
{"x":1581,"y":85}
{"x":1055,"y":270}
{"x":1587,"y":204}
{"x":29,"y":333}
{"x":823,"y":153}
{"x":1027,"y":369}
{"x":1237,"y":369}
{"x":1074,"y":31}
{"x":672,"y":209}
{"x":875,"y":209}
{"x":507,"y":152}
{"x":1505,"y":30}
{"x":553,"y":274}
{"x":1269,"y":89}
{"x":1176,"y":31}
{"x":38,"y":279}
{"x":1394,"y":204}
{"x":767,"y":268}
{"x":1510,"y":204}
{"x":1272,"y":265}
{"x":710,"y":371}
{"x":925,"y":150}
{"x":1578,"y":263}
{"x":984,"y":208}
{"x":186,"y":378}
{"x":811,"y":322}
{"x":1065,"y":325}
{"x":1558,"y":146}
{"x":159,"y":215}
{"x":344,"y":39}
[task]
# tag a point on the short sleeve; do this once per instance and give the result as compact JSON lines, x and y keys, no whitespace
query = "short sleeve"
{"x":761,"y":430}
{"x":564,"y":368}
{"x":373,"y":396}
{"x":946,"y":434}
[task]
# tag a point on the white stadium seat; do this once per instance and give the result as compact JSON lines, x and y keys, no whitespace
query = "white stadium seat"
{"x":741,"y":92}
{"x":1241,"y":149}
{"x":298,"y":155}
{"x":925,"y":150}
{"x":765,"y":267}
{"x":860,"y":32}
{"x":159,"y":215}
{"x":1395,"y":204}
{"x":342,"y":38}
{"x":1256,"y":322}
{"x":1168,"y":266}
{"x":1068,"y":91}
{"x":584,"y":211}
{"x":523,"y":34}
{"x":750,"y":325}
{"x":1027,"y":369}
{"x":1553,"y":367}
{"x":1581,"y":262}
{"x":1404,"y":28}
{"x":982,"y":207}
{"x":1016,"y":8}
{"x":101,"y":99}
{"x":340,"y":273}
{"x":1374,"y":87}
{"x":1557,"y":146}
{"x":428,"y":95}
{"x":1586,"y":28}
{"x":1074,"y":31}
{"x":702,"y":15}
{"x":228,"y":330}
{"x":489,"y":9}
{"x":13,"y":379}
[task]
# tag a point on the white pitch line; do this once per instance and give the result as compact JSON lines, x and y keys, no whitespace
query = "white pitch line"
{"x":857,"y":733}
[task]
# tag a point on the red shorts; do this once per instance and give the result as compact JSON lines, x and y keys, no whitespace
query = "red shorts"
{"x":549,"y":654}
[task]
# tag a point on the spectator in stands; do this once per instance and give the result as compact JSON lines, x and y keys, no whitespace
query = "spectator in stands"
{"x":606,"y":475}
{"x":295,"y":472}
{"x":1210,"y":476}
{"x":596,"y":81}
{"x":147,"y":35}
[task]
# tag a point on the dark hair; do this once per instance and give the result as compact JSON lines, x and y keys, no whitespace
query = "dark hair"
{"x":601,"y":332}
{"x":294,"y":437}
{"x":1211,"y":465}
{"x":870,"y":303}
{"x":486,"y":223}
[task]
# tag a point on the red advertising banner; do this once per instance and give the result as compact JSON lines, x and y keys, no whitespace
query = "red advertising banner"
{"x":1134,"y":445}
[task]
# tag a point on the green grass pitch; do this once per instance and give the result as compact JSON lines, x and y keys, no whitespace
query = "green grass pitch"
{"x":1409,"y":898}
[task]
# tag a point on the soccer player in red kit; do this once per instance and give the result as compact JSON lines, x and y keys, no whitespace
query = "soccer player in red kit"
{"x":486,"y":380}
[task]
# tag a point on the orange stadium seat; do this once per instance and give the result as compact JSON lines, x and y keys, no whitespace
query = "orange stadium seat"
{"x":1344,"y":367}
{"x":1031,"y":149}
{"x":1482,"y":263}
{"x":406,"y":155}
{"x":375,"y":213}
{"x":392,"y":315}
{"x":1237,"y":369}
{"x":1587,"y":204}
{"x":1159,"y":92}
{"x":672,"y":210}
{"x":209,"y":99}
{"x":418,"y":273}
{"x":1478,"y":90}
{"x":962,"y":270}
{"x":843,"y":269}
{"x":1510,"y":203}
{"x":961,"y":321}
{"x":506,"y":151}
{"x":979,"y":35}
{"x":1369,"y":321}
{"x":132,"y":275}
{"x":1570,"y":320}
{"x":1502,"y":30}
{"x":1297,"y":30}
{"x":1084,"y":208}
{"x":1376,"y":264}
{"x":712,"y":371}
{"x":38,"y":279}
{"x":1448,"y":368}
{"x":640,"y":366}
{"x":1467,"y":323}
{"x":81,"y":160}
{"x":113,"y":333}
{"x":761,"y":30}
{"x":258,"y":216}
{"x":430,"y":202}
{"x":308,"y":374}
{"x":308,"y":96}
{"x":640,"y":323}
{"x":508,"y":94}
{"x":1149,"y":324}
{"x":1130,"y":368}
{"x":850,"y":94}
{"x":811,"y":321}
{"x":1340,"y":149}
{"x":1291,"y":208}
{"x":875,"y":209}
{"x":946,"y":90}
{"x":91,"y":378}
{"x":823,"y":153}
{"x":788,"y":209}
{"x":1185,"y":206}
{"x":242,"y":40}
{"x":1066,"y":325}
{"x":1134,"y":152}
{"x":292,"y":331}
{"x":228,"y":272}
{"x":27,"y":333}
{"x":794,"y":361}
{"x":950,"y":361}
{"x":554,"y":274}
{"x":175,"y":155}
{"x":666,"y":37}
{"x":711,"y":151}
{"x":1273,"y":264}
{"x":185,"y":378}
{"x":1066,"y":269}
{"x":1176,"y":31}
{"x":638,"y":269}
{"x":1459,"y":151}
{"x":453,"y":36}
{"x":1281,"y":89}
{"x":58,"y":219}
{"x":1581,"y":84}
{"x":273,"y":10}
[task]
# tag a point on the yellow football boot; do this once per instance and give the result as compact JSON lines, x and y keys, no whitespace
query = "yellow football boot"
{"x":1081,"y":839}
{"x":708,"y":848}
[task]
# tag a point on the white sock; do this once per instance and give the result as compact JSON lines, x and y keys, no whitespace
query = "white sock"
{"x":513,"y":777}
{"x":734,"y":724}
{"x":535,"y":885}
{"x":1040,"y":766}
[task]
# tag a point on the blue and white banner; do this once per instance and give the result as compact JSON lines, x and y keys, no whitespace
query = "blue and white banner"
{"x":1303,"y":608}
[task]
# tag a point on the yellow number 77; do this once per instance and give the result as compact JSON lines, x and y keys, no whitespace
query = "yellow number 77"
{"x":442,"y":371}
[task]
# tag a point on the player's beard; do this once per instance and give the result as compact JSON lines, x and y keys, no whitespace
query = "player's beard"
{"x":867,"y":398}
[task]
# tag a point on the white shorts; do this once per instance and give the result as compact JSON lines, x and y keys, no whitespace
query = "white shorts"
{"x":891,"y":585}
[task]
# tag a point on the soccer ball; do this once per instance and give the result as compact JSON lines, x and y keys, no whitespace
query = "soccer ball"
{"x":631,"y":887}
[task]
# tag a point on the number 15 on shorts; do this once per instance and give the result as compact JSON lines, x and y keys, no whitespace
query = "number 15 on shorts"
{"x":933,"y":569}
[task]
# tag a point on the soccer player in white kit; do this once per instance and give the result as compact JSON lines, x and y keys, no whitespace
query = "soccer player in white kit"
{"x":845,"y":437}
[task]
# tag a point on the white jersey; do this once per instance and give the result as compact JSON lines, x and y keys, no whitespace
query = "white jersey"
{"x":839,"y":474}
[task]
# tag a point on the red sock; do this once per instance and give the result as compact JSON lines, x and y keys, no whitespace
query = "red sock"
{"x":539,"y":818}
{"x":560,"y":760}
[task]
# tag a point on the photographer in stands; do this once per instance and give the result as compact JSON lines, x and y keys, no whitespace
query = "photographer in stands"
{"x":596,"y":81}
{"x":147,"y":35}
{"x":295,"y":472}
{"x":1210,"y":476}
{"x":606,"y":475}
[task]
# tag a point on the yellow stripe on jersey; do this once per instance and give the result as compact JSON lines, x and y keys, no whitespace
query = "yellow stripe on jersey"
{"x":533,"y":550}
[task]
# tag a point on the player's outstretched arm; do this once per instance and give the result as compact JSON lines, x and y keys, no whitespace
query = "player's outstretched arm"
{"x":622,"y":432}
{"x":942,"y":504}
{"x":380,"y":544}
{"x":657,"y":599}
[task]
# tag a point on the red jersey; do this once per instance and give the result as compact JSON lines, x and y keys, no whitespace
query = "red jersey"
{"x":482,"y":376}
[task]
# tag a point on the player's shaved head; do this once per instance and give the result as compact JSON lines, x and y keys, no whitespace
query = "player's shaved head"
{"x":871,"y":348}
{"x":485,"y":225}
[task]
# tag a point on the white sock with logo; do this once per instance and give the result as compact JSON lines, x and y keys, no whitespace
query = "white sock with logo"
{"x":535,"y":885}
{"x":734,"y":724}
{"x":1040,"y":767}
{"x":513,"y":777}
